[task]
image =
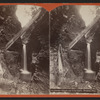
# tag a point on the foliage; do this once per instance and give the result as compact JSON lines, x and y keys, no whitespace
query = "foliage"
{"x":9,"y":25}
{"x":65,"y":23}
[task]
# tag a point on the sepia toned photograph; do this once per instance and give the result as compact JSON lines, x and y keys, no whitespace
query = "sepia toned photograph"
{"x":75,"y":49}
{"x":49,"y":52}
{"x":24,"y":50}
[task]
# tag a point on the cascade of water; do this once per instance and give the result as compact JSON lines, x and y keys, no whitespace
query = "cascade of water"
{"x":60,"y":65}
{"x":24,"y":57}
{"x":88,"y":56}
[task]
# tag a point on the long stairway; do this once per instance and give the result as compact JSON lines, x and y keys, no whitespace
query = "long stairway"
{"x":22,"y":31}
{"x":83,"y":33}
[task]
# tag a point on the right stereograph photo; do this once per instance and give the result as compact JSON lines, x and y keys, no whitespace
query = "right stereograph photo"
{"x":75,"y":49}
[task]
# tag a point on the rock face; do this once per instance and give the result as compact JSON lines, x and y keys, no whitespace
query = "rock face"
{"x":73,"y":68}
{"x":12,"y":60}
{"x":4,"y":72}
{"x":76,"y":60}
{"x":66,"y":23}
{"x":9,"y":24}
{"x":38,"y":42}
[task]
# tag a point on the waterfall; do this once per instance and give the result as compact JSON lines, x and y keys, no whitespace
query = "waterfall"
{"x":60,"y":64}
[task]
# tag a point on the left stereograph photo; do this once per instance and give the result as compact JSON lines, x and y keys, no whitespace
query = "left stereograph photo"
{"x":24,"y":50}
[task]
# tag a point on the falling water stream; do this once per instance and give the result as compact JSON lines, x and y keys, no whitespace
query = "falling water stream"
{"x":60,"y":65}
{"x":24,"y":14}
{"x":88,"y":13}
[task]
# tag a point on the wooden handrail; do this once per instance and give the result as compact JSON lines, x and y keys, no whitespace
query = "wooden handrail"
{"x":22,"y":31}
{"x":85,"y":31}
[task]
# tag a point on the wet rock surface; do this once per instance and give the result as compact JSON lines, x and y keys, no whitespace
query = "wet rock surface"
{"x":17,"y":86}
{"x":71,"y":78}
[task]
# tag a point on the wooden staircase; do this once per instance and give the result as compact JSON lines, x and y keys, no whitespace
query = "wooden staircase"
{"x":22,"y":32}
{"x":83,"y":33}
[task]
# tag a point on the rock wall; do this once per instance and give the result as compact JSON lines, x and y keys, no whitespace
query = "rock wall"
{"x":9,"y":65}
{"x":9,"y":24}
{"x":13,"y":62}
{"x":73,"y":69}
